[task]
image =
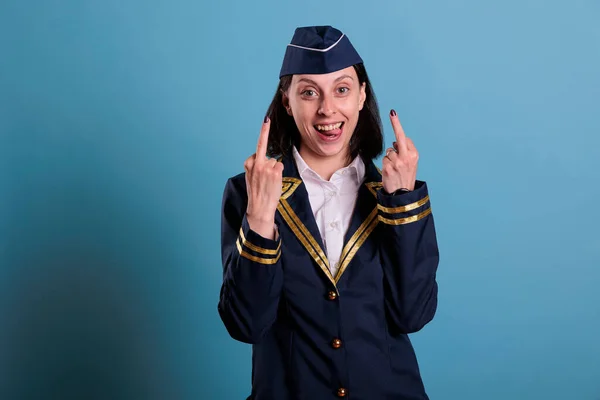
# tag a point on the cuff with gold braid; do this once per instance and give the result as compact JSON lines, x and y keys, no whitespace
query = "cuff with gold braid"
{"x":257,"y":248}
{"x":405,"y":207}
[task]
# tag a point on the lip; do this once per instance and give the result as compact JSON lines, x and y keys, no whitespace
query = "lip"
{"x":333,"y":135}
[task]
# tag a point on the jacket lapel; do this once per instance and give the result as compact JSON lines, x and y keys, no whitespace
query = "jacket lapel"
{"x":364,"y":218}
{"x":294,"y":207}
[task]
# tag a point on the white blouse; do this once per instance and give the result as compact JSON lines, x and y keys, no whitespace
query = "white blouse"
{"x":332,"y":203}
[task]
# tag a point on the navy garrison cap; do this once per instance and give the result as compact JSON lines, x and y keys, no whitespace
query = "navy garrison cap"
{"x":318,"y":50}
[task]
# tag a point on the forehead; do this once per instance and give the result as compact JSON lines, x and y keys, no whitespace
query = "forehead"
{"x":326,"y":79}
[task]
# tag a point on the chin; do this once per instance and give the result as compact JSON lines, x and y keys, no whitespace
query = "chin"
{"x":333,"y":149}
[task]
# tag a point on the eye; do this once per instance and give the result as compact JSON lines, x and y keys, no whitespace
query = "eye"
{"x":309,"y":93}
{"x":343,"y":90}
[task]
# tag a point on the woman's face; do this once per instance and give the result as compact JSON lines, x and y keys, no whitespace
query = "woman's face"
{"x":325,"y":109}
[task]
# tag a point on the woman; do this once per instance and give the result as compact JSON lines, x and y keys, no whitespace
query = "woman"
{"x":328,"y":262}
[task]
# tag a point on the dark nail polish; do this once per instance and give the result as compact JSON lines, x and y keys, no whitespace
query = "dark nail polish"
{"x":266,"y":119}
{"x":393,"y":113}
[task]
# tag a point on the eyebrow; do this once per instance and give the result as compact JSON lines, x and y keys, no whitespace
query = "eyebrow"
{"x":315,"y":83}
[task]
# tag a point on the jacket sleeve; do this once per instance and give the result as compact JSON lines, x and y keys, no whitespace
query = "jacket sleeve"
{"x":409,"y":256}
{"x":252,"y":272}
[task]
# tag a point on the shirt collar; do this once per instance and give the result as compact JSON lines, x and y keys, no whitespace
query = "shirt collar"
{"x":356,"y":167}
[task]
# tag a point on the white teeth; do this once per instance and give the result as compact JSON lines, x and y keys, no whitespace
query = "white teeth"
{"x":329,"y":127}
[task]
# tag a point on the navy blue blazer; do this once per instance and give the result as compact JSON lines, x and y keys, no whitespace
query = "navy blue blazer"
{"x":317,"y":336}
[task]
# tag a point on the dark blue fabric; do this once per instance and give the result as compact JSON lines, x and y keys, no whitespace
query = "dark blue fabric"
{"x":276,"y":294}
{"x":302,"y":61}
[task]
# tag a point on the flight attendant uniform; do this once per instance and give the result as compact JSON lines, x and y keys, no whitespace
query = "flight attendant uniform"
{"x":328,"y":305}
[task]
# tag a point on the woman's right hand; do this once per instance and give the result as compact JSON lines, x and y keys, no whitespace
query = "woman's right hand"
{"x":264,"y":179}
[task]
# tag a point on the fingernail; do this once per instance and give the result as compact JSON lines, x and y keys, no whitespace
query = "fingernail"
{"x":266,"y":119}
{"x":393,"y":113}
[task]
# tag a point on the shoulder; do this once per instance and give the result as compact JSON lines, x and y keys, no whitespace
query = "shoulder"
{"x":235,"y":186}
{"x":372,"y":173}
{"x":239,"y":179}
{"x":235,"y":197}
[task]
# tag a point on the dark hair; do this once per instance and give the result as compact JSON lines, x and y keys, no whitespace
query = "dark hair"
{"x":367,"y":138}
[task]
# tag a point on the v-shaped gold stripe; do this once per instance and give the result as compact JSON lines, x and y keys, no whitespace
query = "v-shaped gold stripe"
{"x":309,"y":242}
{"x":305,"y":237}
{"x":374,"y":186}
{"x":289,"y":186}
{"x":361,"y":234}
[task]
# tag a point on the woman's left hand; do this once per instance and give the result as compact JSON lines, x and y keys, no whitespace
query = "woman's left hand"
{"x":399,"y":169}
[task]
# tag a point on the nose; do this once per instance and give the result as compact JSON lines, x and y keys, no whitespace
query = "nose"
{"x":327,"y":106}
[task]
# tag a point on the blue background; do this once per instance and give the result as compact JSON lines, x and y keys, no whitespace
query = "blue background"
{"x":121,"y":121}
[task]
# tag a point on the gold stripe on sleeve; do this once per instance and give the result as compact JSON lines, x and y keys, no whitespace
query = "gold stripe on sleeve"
{"x":267,"y":261}
{"x":407,"y":220}
{"x":252,"y":247}
{"x":408,"y":207}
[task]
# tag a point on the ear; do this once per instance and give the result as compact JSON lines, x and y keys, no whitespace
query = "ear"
{"x":286,"y":102}
{"x":363,"y":96}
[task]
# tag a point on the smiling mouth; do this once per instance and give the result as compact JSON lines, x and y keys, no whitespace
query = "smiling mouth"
{"x":330,"y":129}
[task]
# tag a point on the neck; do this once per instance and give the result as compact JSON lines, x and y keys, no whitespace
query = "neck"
{"x":324,"y":166}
